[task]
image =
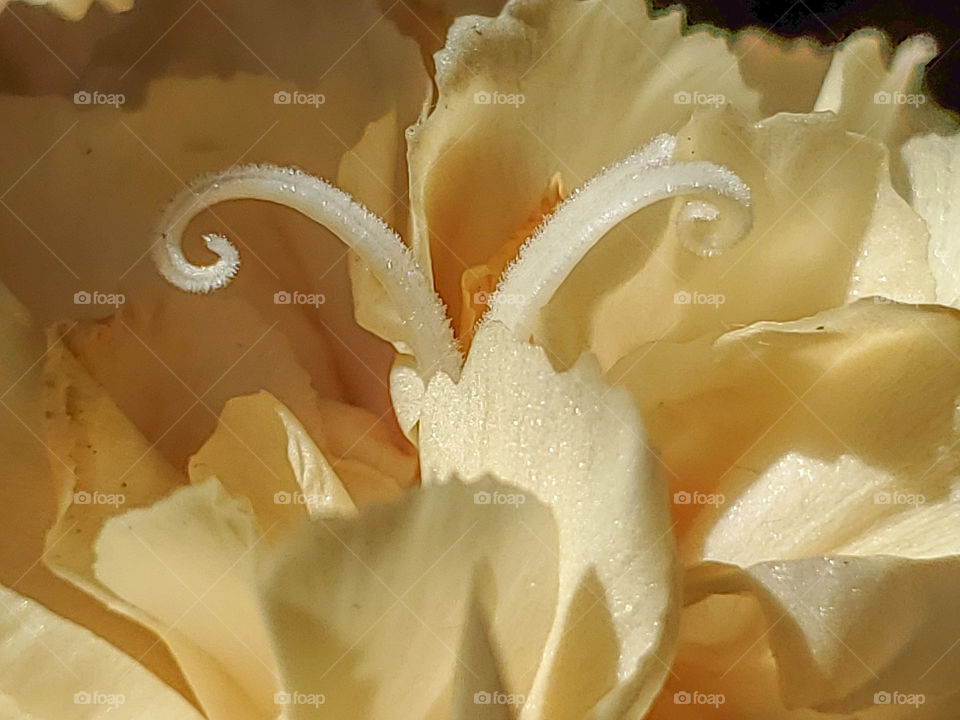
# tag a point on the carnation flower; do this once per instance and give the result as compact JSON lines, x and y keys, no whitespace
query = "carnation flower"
{"x":664,"y":424}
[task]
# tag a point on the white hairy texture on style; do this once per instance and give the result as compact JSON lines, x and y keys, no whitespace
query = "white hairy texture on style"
{"x":430,"y":333}
{"x":617,"y":192}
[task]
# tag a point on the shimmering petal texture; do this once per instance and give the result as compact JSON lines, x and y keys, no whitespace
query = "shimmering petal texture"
{"x":577,"y":446}
{"x":933,"y":165}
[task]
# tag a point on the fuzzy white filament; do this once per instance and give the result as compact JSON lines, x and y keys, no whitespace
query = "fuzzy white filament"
{"x":391,"y":262}
{"x":617,"y":192}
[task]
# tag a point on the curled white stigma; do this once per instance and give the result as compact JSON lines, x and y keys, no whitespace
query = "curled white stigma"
{"x":617,"y":192}
{"x":430,"y":333}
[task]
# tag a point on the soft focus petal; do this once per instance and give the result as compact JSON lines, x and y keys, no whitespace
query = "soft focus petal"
{"x":382,"y":616}
{"x":577,"y":445}
{"x":51,"y":668}
{"x":181,"y":563}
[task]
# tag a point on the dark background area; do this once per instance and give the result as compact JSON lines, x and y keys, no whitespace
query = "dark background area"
{"x":832,"y":20}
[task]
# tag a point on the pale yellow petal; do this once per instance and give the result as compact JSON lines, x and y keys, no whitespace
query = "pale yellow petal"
{"x":892,"y":260}
{"x":30,"y":494}
{"x":381,"y":615}
{"x":103,"y":468}
{"x":788,"y":72}
{"x":188,"y":564}
{"x":813,"y":192}
{"x":76,"y":9}
{"x":503,"y":125}
{"x":261,"y":451}
{"x":807,"y":420}
{"x":933,"y":165}
{"x":578,"y":446}
{"x":53,"y":669}
{"x":879,"y":92}
{"x":843,"y":629}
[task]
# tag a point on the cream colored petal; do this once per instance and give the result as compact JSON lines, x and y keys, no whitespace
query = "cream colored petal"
{"x":402,"y":610}
{"x":879,"y":92}
{"x":892,"y":260}
{"x":188,"y":565}
{"x":578,"y":446}
{"x":788,"y":72}
{"x":806,"y":420}
{"x":261,"y":451}
{"x":174,"y":396}
{"x":53,"y":669}
{"x":29,"y":497}
{"x":843,"y":629}
{"x":933,"y":164}
{"x":370,"y":172}
{"x":503,"y":125}
{"x":103,"y":468}
{"x":813,"y":193}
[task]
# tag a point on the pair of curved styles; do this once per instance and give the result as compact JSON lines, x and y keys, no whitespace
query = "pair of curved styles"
{"x":546,"y":258}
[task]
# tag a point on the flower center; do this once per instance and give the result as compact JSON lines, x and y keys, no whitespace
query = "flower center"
{"x":541,"y":265}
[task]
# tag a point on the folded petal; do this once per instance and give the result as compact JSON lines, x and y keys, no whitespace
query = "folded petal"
{"x":879,"y":93}
{"x":51,"y":668}
{"x":821,"y":617}
{"x":188,"y":565}
{"x":402,"y":610}
{"x":578,"y":446}
{"x":261,"y":451}
{"x":503,"y":127}
{"x":813,"y":192}
{"x":808,"y":420}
